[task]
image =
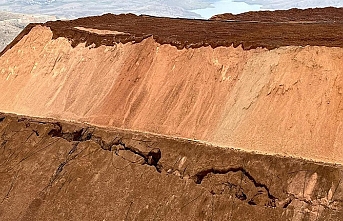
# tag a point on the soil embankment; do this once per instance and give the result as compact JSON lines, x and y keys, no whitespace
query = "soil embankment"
{"x":80,"y":172}
{"x":272,"y":89}
{"x":281,"y":101}
{"x":193,"y":33}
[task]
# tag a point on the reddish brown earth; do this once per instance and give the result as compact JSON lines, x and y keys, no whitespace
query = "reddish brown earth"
{"x":192,"y":33}
{"x":329,"y":14}
{"x":286,"y":100}
{"x":189,"y":88}
{"x":55,"y":170}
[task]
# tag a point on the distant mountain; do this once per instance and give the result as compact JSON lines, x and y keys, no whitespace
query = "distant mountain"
{"x":81,"y":8}
{"x":165,"y":8}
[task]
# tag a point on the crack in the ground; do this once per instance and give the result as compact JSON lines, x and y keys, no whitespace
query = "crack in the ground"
{"x":84,"y":134}
{"x":11,"y":187}
{"x":239,"y":193}
{"x":316,"y":202}
{"x":36,"y":132}
{"x":287,"y":202}
{"x":152,"y":158}
{"x":69,"y":136}
{"x":236,"y":183}
{"x":60,"y":167}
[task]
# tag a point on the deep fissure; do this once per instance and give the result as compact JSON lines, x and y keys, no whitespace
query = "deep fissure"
{"x":151,"y":158}
{"x":198,"y":178}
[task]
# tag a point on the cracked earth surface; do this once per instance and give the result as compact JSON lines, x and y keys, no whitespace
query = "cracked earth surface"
{"x":59,"y":170}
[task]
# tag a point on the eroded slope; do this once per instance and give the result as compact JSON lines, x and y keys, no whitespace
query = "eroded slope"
{"x":286,"y":101}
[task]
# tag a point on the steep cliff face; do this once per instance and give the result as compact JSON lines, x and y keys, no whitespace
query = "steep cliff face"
{"x":66,"y":171}
{"x":287,"y":100}
{"x":160,"y":108}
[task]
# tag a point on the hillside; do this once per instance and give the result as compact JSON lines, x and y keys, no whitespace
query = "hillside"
{"x":244,"y":99}
{"x":56,"y":170}
{"x":280,"y":96}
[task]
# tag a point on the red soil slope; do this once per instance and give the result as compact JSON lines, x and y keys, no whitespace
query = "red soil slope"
{"x":80,"y":172}
{"x":280,"y":100}
{"x":267,"y":87}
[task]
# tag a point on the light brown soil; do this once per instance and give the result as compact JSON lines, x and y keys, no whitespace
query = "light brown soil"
{"x":283,"y":101}
{"x":63,"y":171}
{"x":283,"y":97}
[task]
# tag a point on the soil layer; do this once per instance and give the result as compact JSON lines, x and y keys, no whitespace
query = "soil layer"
{"x":80,"y":172}
{"x":191,"y":33}
{"x":329,"y":14}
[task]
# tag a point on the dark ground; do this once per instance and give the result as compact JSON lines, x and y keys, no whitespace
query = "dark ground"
{"x":321,"y":27}
{"x":63,"y":171}
{"x":329,"y":14}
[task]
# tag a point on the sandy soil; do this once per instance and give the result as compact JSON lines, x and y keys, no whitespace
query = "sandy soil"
{"x":174,"y":100}
{"x":283,"y":101}
{"x":72,"y":171}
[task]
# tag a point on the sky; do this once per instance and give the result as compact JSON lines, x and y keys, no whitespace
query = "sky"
{"x":170,"y":8}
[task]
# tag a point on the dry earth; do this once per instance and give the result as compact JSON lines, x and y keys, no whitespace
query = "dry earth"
{"x":270,"y":89}
{"x":286,"y":100}
{"x":293,"y":15}
{"x":55,"y":170}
